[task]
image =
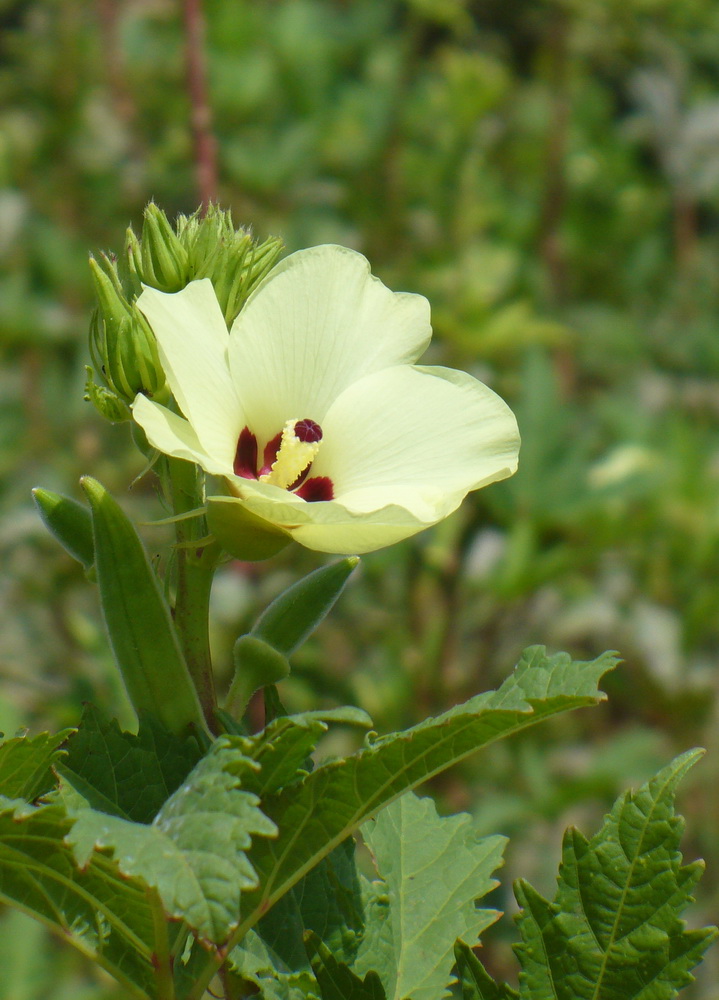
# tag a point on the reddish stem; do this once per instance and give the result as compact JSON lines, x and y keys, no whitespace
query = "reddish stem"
{"x":204,"y":142}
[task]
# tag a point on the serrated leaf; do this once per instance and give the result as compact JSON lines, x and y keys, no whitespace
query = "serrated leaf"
{"x":95,"y":908}
{"x":124,"y":774}
{"x":256,"y":962}
{"x":26,"y":762}
{"x":336,"y":980}
{"x":327,"y":901}
{"x":319,"y":812}
{"x":613,"y":930}
{"x":283,"y":746}
{"x":476,"y":982}
{"x":433,"y":870}
{"x":195,"y":850}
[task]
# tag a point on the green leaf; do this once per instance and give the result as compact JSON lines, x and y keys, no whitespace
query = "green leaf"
{"x":613,"y":930}
{"x":319,"y":812}
{"x":327,"y":901}
{"x":95,"y":908}
{"x":195,"y":851}
{"x":336,"y":980}
{"x":138,"y":620}
{"x":294,"y":615}
{"x":284,"y":745}
{"x":123,"y":774}
{"x":433,"y":870}
{"x":476,"y":982}
{"x":26,"y":764}
{"x":69,"y":522}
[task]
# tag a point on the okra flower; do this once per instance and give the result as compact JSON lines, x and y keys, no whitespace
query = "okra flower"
{"x":313,"y":411}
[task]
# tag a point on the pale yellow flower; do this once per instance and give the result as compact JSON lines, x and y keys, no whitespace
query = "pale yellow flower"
{"x":313,"y":410}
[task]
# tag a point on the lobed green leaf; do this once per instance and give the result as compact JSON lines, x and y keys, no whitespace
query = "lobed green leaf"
{"x":194,"y":853}
{"x":336,"y":980}
{"x":433,"y":870}
{"x":26,"y":764}
{"x":94,"y":907}
{"x":124,"y":774}
{"x":319,"y":812}
{"x":476,"y":982}
{"x":613,"y":930}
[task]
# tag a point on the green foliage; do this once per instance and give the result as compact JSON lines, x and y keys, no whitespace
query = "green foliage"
{"x":126,"y":775}
{"x":336,"y":981}
{"x":613,"y":929}
{"x":314,"y":816}
{"x":433,"y":870}
{"x":94,"y":907}
{"x":26,"y":762}
{"x":544,"y":174}
{"x":477,"y":984}
{"x":195,"y":850}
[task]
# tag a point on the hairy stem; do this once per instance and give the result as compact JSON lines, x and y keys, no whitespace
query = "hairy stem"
{"x":195,"y":572}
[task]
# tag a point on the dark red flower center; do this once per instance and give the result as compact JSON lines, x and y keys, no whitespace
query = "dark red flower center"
{"x":311,"y":489}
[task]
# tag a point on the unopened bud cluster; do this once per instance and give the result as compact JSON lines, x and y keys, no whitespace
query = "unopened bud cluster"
{"x":122,"y":344}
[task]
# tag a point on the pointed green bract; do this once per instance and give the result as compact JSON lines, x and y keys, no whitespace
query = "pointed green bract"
{"x":614,"y":930}
{"x":26,"y":762}
{"x":138,"y":621}
{"x":195,"y":851}
{"x":336,"y":980}
{"x":433,"y":870}
{"x":476,"y":982}
{"x":261,"y":656}
{"x":69,"y":522}
{"x":294,"y":615}
{"x":124,"y":774}
{"x":316,"y":814}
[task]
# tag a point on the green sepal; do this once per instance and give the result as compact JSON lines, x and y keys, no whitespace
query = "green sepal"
{"x":139,"y":626}
{"x":107,"y":403}
{"x":295,"y":614}
{"x":69,"y":522}
{"x":242,"y":534}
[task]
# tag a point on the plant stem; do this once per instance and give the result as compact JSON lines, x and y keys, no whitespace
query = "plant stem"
{"x":161,"y":956}
{"x":195,"y":571}
{"x":204,"y":139}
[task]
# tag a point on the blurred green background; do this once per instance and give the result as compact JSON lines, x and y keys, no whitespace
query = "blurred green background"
{"x":546,"y":172}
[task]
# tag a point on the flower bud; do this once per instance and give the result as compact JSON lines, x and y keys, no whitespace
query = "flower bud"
{"x":107,"y":404}
{"x":164,"y":258}
{"x":229,"y":257}
{"x":122,"y":346}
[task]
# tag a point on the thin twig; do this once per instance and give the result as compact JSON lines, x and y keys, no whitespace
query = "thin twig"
{"x":204,"y":141}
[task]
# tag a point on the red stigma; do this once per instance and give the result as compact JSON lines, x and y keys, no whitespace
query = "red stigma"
{"x":308,"y":430}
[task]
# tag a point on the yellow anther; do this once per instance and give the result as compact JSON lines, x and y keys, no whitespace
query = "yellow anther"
{"x":293,"y":457}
